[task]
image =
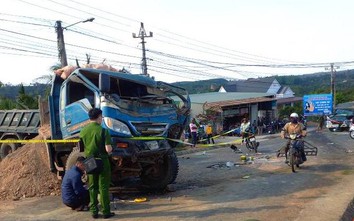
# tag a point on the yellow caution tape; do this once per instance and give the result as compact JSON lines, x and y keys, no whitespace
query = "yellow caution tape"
{"x":219,"y":135}
{"x":147,"y":138}
{"x":237,"y":141}
{"x":133,"y":138}
{"x":39,"y":141}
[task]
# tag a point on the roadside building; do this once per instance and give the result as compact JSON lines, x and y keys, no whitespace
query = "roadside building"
{"x":284,"y":96}
{"x":227,"y":109}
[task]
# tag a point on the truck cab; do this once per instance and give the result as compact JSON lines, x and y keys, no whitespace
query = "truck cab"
{"x":139,"y":113}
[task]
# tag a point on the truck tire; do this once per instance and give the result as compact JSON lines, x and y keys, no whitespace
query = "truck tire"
{"x":71,"y":160}
{"x":6,"y":149}
{"x":160,"y":175}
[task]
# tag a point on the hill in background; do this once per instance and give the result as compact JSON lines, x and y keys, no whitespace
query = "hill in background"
{"x":11,"y":92}
{"x":316,"y":83}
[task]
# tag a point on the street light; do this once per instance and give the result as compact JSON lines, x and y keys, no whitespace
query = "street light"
{"x":87,"y":20}
{"x":60,"y":39}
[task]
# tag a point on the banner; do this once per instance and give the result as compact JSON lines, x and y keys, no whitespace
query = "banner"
{"x":317,"y":104}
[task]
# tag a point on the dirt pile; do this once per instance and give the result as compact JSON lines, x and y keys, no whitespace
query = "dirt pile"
{"x":25,"y":173}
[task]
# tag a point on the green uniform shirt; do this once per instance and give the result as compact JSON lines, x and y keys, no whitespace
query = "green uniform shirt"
{"x":91,"y":137}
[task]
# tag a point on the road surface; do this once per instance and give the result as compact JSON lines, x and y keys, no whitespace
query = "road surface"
{"x":206,"y":189}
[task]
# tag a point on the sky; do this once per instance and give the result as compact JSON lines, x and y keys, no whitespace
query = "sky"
{"x":192,"y":40}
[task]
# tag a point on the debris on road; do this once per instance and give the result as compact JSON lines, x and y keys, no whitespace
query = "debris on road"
{"x":223,"y":165}
{"x":229,"y":164}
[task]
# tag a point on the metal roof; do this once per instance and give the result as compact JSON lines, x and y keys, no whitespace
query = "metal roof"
{"x":250,"y":85}
{"x":288,"y":100}
{"x":230,"y":98}
{"x":347,"y":105}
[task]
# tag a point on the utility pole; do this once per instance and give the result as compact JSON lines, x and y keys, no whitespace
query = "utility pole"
{"x":333,"y":86}
{"x":142,"y":35}
{"x":61,"y":45}
{"x":60,"y":39}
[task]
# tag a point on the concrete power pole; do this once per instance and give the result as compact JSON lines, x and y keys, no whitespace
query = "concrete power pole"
{"x":60,"y":39}
{"x":142,"y":35}
{"x":333,"y":85}
{"x":61,"y":45}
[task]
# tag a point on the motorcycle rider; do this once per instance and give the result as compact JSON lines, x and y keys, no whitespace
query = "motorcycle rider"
{"x":245,"y":129}
{"x":294,"y":126}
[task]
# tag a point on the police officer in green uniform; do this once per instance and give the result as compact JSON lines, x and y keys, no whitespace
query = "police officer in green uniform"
{"x":91,"y":136}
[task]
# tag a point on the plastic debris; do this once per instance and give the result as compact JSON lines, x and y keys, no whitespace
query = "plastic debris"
{"x":140,"y":200}
{"x":229,"y":164}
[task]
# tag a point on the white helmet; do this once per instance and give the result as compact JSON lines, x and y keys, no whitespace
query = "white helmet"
{"x":294,"y":115}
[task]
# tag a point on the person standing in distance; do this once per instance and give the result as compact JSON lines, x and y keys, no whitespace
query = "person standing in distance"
{"x":209,"y":132}
{"x":91,"y":136}
{"x":244,"y":129}
{"x":193,"y":128}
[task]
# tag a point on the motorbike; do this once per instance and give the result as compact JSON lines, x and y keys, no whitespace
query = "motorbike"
{"x":251,"y":143}
{"x":296,"y":151}
{"x":351,"y":129}
{"x":270,"y":128}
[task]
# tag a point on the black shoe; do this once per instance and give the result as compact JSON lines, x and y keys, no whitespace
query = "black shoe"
{"x":108,"y":215}
{"x":286,"y":161}
{"x":95,"y":216}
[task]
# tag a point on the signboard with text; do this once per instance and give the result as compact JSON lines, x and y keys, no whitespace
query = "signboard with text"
{"x":317,"y":104}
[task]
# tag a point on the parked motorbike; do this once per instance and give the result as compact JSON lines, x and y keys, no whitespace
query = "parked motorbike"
{"x":351,"y":129}
{"x":270,"y":128}
{"x":296,"y":151}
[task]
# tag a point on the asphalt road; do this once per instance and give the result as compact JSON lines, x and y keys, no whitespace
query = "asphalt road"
{"x":206,"y":189}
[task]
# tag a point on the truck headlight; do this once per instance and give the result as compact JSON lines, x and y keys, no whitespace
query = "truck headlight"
{"x":116,"y":125}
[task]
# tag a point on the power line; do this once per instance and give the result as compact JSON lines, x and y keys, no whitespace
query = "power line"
{"x":191,"y":64}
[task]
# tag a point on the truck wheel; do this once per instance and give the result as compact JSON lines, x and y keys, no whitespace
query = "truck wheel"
{"x":71,"y":160}
{"x":6,"y":149}
{"x":158,"y":176}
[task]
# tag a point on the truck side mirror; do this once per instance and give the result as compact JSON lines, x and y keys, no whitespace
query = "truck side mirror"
{"x":104,"y":83}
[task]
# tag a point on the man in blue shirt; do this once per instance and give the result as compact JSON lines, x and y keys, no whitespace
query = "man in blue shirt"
{"x":73,"y":192}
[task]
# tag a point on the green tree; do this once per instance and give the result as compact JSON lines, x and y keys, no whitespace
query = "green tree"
{"x":286,"y":111}
{"x":47,"y":79}
{"x":7,"y":104}
{"x":25,"y":101}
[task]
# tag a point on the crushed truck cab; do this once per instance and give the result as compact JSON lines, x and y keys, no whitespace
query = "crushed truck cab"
{"x":138,"y":112}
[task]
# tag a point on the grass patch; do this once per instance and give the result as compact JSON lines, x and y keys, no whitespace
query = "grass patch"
{"x":347,"y":172}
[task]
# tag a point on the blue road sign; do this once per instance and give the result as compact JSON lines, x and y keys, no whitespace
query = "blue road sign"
{"x":317,"y":104}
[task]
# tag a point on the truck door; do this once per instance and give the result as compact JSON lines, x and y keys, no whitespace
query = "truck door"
{"x":76,"y":100}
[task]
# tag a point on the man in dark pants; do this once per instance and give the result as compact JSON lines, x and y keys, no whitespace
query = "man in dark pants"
{"x":73,"y":192}
{"x":91,"y":136}
{"x":293,"y":127}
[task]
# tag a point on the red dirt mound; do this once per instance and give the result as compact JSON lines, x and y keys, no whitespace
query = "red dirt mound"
{"x":25,"y":173}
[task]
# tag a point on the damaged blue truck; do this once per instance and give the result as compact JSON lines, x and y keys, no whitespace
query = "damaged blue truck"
{"x":138,"y":112}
